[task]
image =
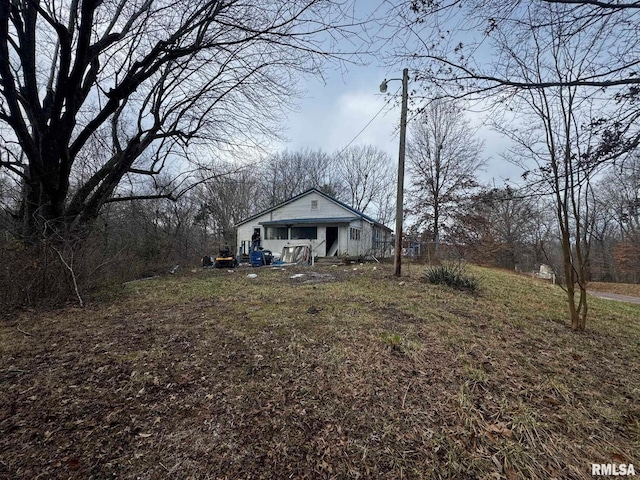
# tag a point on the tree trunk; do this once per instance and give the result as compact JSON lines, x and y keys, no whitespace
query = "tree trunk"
{"x":436,"y":230}
{"x":577,"y":313}
{"x":40,"y":215}
{"x":581,"y":324}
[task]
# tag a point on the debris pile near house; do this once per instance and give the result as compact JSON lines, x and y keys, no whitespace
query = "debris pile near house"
{"x":295,"y":253}
{"x":261,"y":257}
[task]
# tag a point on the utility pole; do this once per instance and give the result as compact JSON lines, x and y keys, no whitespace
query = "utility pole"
{"x":397,"y":260}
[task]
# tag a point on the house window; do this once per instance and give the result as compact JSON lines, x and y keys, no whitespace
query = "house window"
{"x":304,"y":233}
{"x":354,"y":233}
{"x":277,"y":233}
{"x":314,"y":204}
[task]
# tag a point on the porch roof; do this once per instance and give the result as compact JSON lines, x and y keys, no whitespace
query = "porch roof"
{"x":308,"y":221}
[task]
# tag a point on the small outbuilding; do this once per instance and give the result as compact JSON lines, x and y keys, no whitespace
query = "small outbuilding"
{"x":332,"y":228}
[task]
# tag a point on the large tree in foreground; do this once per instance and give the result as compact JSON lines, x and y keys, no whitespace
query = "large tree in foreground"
{"x":137,"y":88}
{"x":553,"y":131}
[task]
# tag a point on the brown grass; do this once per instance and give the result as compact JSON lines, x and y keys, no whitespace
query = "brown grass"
{"x":341,"y":373}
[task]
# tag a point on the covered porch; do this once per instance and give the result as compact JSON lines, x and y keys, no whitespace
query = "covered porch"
{"x":328,"y":236}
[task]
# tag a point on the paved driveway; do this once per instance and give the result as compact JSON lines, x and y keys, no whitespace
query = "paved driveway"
{"x":615,"y":296}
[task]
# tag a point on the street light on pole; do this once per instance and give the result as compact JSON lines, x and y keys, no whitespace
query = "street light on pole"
{"x":397,"y":259}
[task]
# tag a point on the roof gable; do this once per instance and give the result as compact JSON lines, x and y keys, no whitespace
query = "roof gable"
{"x":306,"y":193}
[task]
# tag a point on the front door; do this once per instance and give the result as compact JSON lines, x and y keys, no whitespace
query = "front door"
{"x":332,"y":241}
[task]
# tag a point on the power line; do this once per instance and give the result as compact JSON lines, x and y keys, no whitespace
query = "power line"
{"x":369,"y":122}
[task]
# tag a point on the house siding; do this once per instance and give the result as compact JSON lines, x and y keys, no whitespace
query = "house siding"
{"x":325,"y":209}
{"x":301,"y":208}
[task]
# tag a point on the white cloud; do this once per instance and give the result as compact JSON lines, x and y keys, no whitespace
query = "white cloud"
{"x":330,"y":121}
{"x":335,"y":112}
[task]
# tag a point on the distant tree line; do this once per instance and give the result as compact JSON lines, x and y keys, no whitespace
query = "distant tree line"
{"x":451,"y":213}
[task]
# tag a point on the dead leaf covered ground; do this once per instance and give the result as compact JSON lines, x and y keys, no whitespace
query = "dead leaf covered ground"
{"x":338,"y":373}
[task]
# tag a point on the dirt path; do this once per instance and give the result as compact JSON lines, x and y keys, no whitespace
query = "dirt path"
{"x":615,"y":296}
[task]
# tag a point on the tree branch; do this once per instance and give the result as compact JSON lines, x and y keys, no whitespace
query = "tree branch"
{"x":597,"y":3}
{"x":160,"y":196}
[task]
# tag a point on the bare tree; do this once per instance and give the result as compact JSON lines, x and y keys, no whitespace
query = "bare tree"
{"x":480,"y":49}
{"x":367,"y":178}
{"x":619,"y":192}
{"x":443,"y":158}
{"x":286,"y":174}
{"x":226,"y":200}
{"x":504,"y":227}
{"x":616,"y":229}
{"x":157,"y":83}
{"x":560,"y":156}
{"x":386,"y":207}
{"x":565,"y":73}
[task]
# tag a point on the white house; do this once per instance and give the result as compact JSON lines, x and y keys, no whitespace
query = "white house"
{"x":332,"y":227}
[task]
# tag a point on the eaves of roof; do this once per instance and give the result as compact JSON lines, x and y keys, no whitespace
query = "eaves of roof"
{"x":307,"y":221}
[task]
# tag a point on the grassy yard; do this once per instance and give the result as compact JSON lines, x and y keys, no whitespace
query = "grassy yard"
{"x":344,"y":372}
